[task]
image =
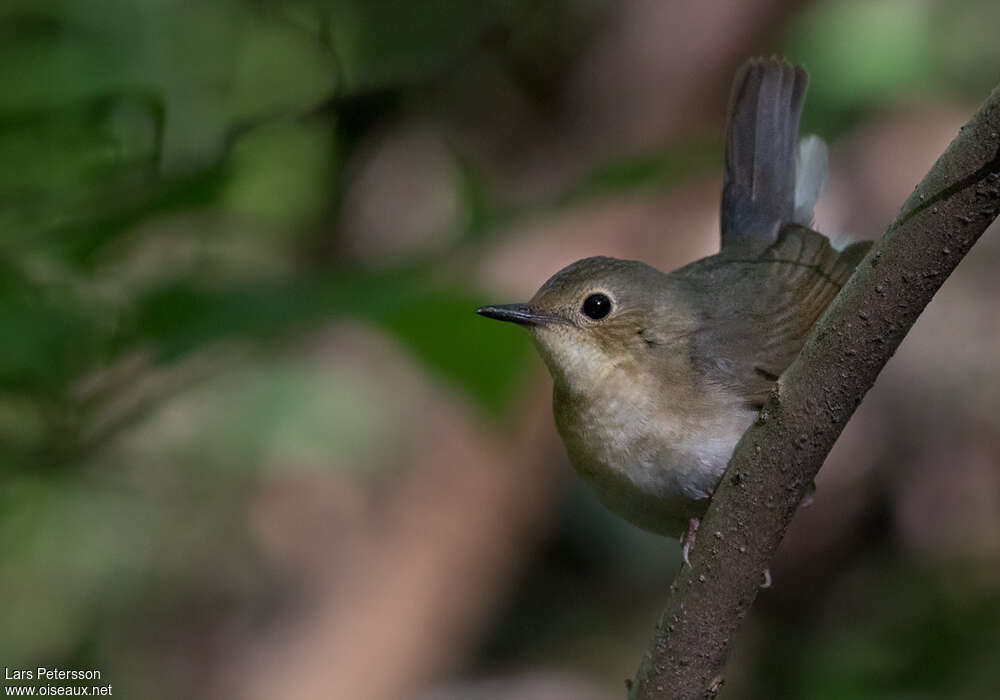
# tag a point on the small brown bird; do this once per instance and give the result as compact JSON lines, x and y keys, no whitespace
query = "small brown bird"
{"x":656,"y":376}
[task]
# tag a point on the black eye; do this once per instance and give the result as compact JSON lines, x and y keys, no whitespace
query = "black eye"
{"x":596,"y":306}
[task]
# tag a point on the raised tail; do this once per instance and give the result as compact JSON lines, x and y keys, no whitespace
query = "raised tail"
{"x":760,"y":186}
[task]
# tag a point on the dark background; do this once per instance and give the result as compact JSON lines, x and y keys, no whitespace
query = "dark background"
{"x":253,"y":441}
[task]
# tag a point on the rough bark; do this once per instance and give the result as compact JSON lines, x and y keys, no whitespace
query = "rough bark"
{"x":778,"y":457}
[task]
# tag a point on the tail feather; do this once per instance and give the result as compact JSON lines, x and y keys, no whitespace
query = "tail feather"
{"x":758,"y":194}
{"x":810,"y":176}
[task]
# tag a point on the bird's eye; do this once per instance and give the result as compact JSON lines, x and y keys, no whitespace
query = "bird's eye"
{"x":596,"y":306}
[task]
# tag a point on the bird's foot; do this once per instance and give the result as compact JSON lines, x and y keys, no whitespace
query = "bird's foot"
{"x":688,"y":538}
{"x":808,"y":499}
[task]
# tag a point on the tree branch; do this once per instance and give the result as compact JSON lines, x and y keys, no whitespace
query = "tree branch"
{"x":778,"y":457}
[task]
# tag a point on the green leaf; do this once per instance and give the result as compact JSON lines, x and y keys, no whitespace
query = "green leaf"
{"x":437,"y":323}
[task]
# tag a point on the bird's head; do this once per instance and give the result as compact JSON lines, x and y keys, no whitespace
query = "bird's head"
{"x":593,"y":316}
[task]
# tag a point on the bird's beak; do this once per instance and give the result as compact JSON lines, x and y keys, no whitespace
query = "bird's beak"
{"x":521,"y":314}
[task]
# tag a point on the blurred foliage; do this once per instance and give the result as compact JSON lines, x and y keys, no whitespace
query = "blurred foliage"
{"x":171,"y":178}
{"x":865,"y":54}
{"x":166,"y":167}
{"x":904,"y":636}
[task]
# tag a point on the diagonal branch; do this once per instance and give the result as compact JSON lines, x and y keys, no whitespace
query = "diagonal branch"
{"x":778,"y":456}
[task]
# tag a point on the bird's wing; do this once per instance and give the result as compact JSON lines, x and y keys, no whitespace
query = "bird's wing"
{"x":756,"y":312}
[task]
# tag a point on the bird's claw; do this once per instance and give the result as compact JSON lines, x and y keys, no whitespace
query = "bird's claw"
{"x":688,"y":538}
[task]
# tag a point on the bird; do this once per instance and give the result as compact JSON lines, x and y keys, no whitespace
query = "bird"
{"x":656,"y":375}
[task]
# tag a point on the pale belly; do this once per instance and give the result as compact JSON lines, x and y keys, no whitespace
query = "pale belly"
{"x":649,"y":464}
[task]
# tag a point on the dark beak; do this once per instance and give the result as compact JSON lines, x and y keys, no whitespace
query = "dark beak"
{"x":521,"y":314}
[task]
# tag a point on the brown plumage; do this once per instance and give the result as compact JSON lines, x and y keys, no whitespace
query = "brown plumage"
{"x":656,"y":376}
